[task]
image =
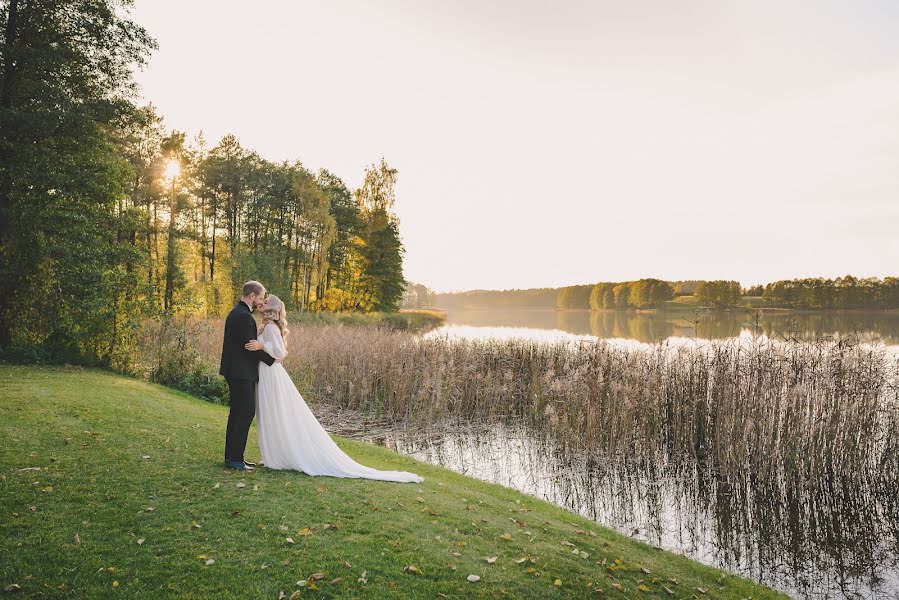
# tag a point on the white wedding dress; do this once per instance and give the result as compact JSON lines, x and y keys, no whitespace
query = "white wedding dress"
{"x":290,"y":437}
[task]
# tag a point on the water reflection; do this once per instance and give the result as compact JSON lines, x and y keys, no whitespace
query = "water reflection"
{"x":654,"y":326}
{"x":817,"y":539}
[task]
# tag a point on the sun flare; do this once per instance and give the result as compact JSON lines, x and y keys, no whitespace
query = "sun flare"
{"x":172,"y":169}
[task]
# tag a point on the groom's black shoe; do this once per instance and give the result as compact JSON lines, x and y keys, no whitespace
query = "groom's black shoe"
{"x":238,"y":466}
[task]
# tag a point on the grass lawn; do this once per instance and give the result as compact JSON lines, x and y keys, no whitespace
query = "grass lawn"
{"x":113,"y":487}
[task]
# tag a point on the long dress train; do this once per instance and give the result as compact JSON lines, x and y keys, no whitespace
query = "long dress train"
{"x":290,"y":437}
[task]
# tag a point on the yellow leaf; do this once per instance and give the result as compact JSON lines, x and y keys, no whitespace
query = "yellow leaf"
{"x":505,"y":536}
{"x":413,"y":569}
{"x":642,"y":587}
{"x":305,"y":532}
{"x":557,"y":582}
{"x":115,"y":584}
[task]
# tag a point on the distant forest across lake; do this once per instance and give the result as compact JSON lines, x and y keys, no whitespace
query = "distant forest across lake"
{"x":814,"y":293}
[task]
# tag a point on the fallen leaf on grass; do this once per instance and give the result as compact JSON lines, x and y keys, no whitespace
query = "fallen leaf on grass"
{"x":289,"y":540}
{"x":210,"y":561}
{"x":518,"y":561}
{"x":241,"y":484}
{"x":12,"y":588}
{"x":413,"y":569}
{"x":347,"y":564}
{"x":557,"y":582}
{"x":642,"y":587}
{"x":473,"y":578}
{"x":145,"y":456}
{"x":700,"y":590}
{"x":140,"y":542}
{"x":491,"y":560}
{"x":363,"y":578}
{"x":336,"y":580}
{"x":318,"y":576}
{"x":282,"y":527}
{"x":217,"y":485}
{"x":295,"y":595}
{"x":305,"y":532}
{"x":506,"y":537}
{"x":77,"y":539}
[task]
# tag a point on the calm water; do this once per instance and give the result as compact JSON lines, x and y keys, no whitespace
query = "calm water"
{"x":638,"y":328}
{"x":824,"y":539}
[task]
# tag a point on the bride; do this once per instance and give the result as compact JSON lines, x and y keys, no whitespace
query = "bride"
{"x":290,"y":437}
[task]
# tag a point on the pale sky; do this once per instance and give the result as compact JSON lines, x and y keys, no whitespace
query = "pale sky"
{"x":542,"y":144}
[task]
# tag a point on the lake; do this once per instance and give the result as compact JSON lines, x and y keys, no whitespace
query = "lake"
{"x":635,"y":328}
{"x":820,"y":538}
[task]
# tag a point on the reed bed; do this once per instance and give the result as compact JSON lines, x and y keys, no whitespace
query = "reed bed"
{"x":809,"y":408}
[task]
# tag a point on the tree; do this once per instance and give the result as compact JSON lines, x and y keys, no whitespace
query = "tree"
{"x":718,"y":293}
{"x":574,"y":296}
{"x":65,"y":72}
{"x":381,"y":282}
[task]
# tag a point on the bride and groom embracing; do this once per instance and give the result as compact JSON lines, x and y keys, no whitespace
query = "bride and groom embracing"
{"x":290,"y":437}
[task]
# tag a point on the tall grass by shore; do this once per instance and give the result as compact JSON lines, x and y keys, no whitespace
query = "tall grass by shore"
{"x":809,"y":408}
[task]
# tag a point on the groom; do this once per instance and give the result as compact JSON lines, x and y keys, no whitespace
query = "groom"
{"x":240,"y":367}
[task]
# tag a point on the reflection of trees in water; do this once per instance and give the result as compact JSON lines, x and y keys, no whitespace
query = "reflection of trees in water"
{"x":837,"y":534}
{"x":658,"y":325}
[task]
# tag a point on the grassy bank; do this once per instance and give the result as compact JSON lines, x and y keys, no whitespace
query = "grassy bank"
{"x":112,"y":486}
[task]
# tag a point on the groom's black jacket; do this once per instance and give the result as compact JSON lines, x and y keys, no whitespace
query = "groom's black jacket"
{"x":237,"y":361}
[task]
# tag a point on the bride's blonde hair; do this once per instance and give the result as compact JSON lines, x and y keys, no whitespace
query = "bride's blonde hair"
{"x":274,"y":312}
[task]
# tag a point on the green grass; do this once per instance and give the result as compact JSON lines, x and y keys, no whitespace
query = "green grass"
{"x":84,"y":514}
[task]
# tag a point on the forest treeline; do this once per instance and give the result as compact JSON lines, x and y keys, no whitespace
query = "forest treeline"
{"x":809,"y":293}
{"x":107,"y":217}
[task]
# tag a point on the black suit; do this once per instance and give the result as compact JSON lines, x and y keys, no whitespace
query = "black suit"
{"x":240,"y":367}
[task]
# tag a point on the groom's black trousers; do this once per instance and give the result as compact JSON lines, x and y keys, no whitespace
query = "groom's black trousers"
{"x":242,"y":399}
